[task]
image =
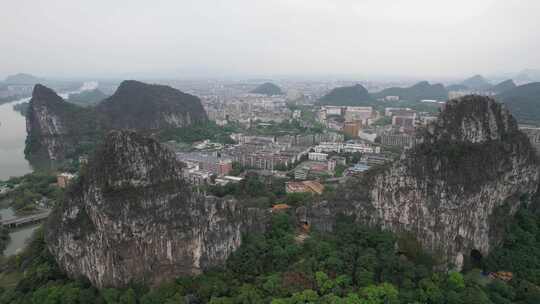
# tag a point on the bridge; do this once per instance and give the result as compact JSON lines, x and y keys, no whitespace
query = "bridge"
{"x":28,"y":220}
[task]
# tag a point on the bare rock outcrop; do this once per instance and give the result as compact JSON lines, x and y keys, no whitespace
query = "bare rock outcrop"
{"x":471,"y":168}
{"x":132,"y":218}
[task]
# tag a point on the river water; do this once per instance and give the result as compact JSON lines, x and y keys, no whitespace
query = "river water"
{"x":12,"y":138}
{"x":12,"y":161}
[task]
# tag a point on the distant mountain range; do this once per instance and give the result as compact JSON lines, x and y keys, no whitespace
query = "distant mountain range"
{"x":87,"y":98}
{"x":23,"y":79}
{"x":457,"y":87}
{"x":357,"y":95}
{"x":524,"y":102}
{"x":504,"y":86}
{"x":268,"y":89}
{"x":528,"y":75}
{"x":419,"y":91}
{"x":477,"y":82}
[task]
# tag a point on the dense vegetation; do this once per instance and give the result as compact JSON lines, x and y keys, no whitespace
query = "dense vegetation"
{"x":262,"y":192}
{"x":4,"y":238}
{"x":286,"y":127}
{"x":31,"y":188}
{"x":198,"y":132}
{"x":355,"y":264}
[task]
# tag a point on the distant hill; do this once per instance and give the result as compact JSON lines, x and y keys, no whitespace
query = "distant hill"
{"x":267,"y":88}
{"x":22,"y":78}
{"x":477,"y":82}
{"x":59,"y":130}
{"x":524,"y":102}
{"x":419,"y":91}
{"x":504,"y":86}
{"x":528,"y":75}
{"x":140,"y":106}
{"x":355,"y":95}
{"x":87,"y":98}
{"x":457,"y":87}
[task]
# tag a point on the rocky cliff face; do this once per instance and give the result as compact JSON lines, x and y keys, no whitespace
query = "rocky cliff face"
{"x":54,"y":126}
{"x":472,"y":166}
{"x":132,"y":218}
{"x":56,"y":129}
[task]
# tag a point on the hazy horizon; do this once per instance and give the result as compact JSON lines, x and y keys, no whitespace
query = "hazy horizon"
{"x":418,"y":39}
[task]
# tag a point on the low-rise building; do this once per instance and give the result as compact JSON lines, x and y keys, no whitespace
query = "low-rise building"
{"x":316,"y":156}
{"x":367,"y":135}
{"x":206,"y":162}
{"x":331,"y":165}
{"x":197,"y":177}
{"x":301,"y":173}
{"x":361,"y":114}
{"x":352,"y":128}
{"x":406,"y":122}
{"x":399,"y":112}
{"x":400,"y":140}
{"x":374,"y":159}
{"x":360,"y":148}
{"x":358,"y":168}
{"x":349,"y":147}
{"x":63,"y":179}
{"x":391,"y":98}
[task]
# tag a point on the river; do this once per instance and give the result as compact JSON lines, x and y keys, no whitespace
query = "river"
{"x":12,"y":138}
{"x":12,"y":161}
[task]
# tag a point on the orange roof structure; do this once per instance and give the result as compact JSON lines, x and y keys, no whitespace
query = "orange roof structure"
{"x":305,"y":186}
{"x":502,"y":275}
{"x":280,"y":207}
{"x":315,"y":186}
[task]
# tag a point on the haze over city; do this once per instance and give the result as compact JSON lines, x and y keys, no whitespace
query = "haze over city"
{"x":270,"y":152}
{"x":246,"y":38}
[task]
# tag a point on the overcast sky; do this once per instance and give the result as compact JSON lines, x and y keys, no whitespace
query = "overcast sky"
{"x":419,"y":38}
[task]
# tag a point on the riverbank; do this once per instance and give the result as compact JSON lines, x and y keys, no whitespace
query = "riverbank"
{"x":17,"y":237}
{"x":14,"y":164}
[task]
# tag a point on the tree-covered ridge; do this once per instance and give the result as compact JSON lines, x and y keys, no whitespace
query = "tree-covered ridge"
{"x":417,"y":92}
{"x":354,"y":264}
{"x":199,"y":132}
{"x":504,"y":86}
{"x":477,"y":82}
{"x":524,"y":102}
{"x":268,"y":89}
{"x":355,"y":95}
